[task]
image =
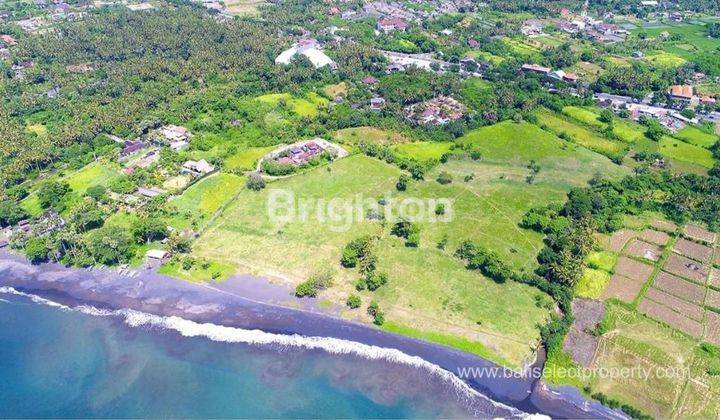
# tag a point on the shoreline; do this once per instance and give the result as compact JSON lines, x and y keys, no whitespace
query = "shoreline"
{"x":155,"y":294}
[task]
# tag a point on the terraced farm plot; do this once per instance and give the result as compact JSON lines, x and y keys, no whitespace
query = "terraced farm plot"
{"x":694,"y":135}
{"x":423,"y":150}
{"x":623,"y":288}
{"x":665,"y":59}
{"x":686,"y":152}
{"x":583,"y":115}
{"x":699,"y":233}
{"x":641,"y":249}
{"x":355,"y":135}
{"x":620,"y":238}
{"x":693,"y":250}
{"x":664,"y":225}
{"x":655,"y":236}
{"x":686,"y":268}
{"x":305,"y":107}
{"x":204,"y":198}
{"x":592,"y":283}
{"x":664,"y":314}
{"x":583,"y":136}
{"x":633,"y":269}
{"x":247,"y":159}
{"x":680,"y":306}
{"x":693,"y":39}
{"x":713,"y":298}
{"x":679,"y":287}
{"x":603,"y":260}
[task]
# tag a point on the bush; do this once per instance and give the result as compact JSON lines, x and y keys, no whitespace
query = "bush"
{"x":402,"y":182}
{"x":444,"y":178}
{"x":36,"y":250}
{"x":356,"y":250}
{"x":255,"y":182}
{"x":306,"y":289}
{"x":374,"y":311}
{"x":440,"y":209}
{"x":409,"y":231}
{"x":319,"y":281}
{"x":374,"y":281}
{"x":353,"y":301}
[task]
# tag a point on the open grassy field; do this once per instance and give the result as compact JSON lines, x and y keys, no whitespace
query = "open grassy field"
{"x":583,"y":136}
{"x":243,"y":7}
{"x":625,"y":130}
{"x":693,"y":39}
{"x":422,"y":150}
{"x":686,"y":152}
{"x":338,"y":89}
{"x":204,"y":198}
{"x":305,"y":107}
{"x":694,"y":135}
{"x":247,"y":159}
{"x":355,"y":135}
{"x":677,"y":165}
{"x":665,"y":59}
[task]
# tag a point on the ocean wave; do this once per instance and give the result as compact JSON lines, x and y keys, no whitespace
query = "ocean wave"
{"x":221,"y":333}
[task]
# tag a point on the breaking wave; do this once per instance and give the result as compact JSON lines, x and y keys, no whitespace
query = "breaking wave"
{"x":221,"y":333}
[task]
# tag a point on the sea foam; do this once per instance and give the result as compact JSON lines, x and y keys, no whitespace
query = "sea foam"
{"x":221,"y":333}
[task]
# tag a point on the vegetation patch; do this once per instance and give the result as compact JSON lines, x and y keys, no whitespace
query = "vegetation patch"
{"x":686,"y":152}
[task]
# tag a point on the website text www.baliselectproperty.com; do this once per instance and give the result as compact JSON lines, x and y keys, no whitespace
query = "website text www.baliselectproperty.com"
{"x":635,"y":372}
{"x":340,"y":213}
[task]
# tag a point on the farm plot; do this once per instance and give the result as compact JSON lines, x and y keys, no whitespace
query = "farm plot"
{"x":633,"y":269}
{"x":713,"y":328}
{"x":715,"y":277}
{"x":693,"y":250}
{"x":579,"y":342}
{"x":701,"y":234}
{"x":664,"y":225}
{"x":680,"y":306}
{"x":694,"y":135}
{"x":713,"y":298}
{"x":664,"y":314}
{"x":655,"y":237}
{"x":592,"y":283}
{"x":620,"y":238}
{"x":641,"y":249}
{"x":367,"y":134}
{"x":678,"y":287}
{"x":573,"y":132}
{"x":686,"y":268}
{"x":623,"y":288}
{"x":686,"y":152}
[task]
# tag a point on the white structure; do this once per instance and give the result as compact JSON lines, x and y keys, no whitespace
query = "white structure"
{"x":310,"y":49}
{"x":201,"y":167}
{"x":175,"y":133}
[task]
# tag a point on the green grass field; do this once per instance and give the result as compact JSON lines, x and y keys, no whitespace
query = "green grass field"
{"x":602,"y":260}
{"x":592,"y":283}
{"x":665,"y":59}
{"x":304,"y":107}
{"x":694,"y":135}
{"x":686,"y":152}
{"x":355,"y":135}
{"x":579,"y":134}
{"x":204,"y":198}
{"x":247,"y":159}
{"x":625,"y":130}
{"x":693,"y":39}
{"x":422,"y":150}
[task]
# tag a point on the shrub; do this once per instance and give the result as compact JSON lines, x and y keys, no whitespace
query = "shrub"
{"x":353,"y":301}
{"x":440,"y":209}
{"x":255,"y":182}
{"x":374,"y":281}
{"x":356,"y":250}
{"x":444,"y":178}
{"x":402,"y":182}
{"x":374,"y":311}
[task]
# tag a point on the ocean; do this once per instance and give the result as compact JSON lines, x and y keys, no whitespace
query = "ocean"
{"x":56,"y":362}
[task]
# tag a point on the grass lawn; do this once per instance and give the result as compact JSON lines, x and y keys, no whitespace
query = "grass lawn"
{"x":693,"y":39}
{"x":304,"y":107}
{"x":592,"y":283}
{"x":680,"y":150}
{"x":694,"y":135}
{"x":423,"y":150}
{"x":579,"y":134}
{"x":583,"y":115}
{"x":626,"y":130}
{"x":204,"y":198}
{"x":200,"y":272}
{"x":243,"y":7}
{"x":247,"y":159}
{"x":31,"y":204}
{"x":665,"y":59}
{"x":677,"y":165}
{"x":368,"y":134}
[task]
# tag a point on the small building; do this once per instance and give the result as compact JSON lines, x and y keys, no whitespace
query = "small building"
{"x":131,"y":146}
{"x":8,"y":40}
{"x":535,"y":68}
{"x":707,"y":100}
{"x":681,"y":92}
{"x":473,"y":43}
{"x":177,"y":146}
{"x":369,"y":80}
{"x":175,"y":133}
{"x":391,"y":24}
{"x":377,"y":103}
{"x":201,"y":167}
{"x":310,"y":48}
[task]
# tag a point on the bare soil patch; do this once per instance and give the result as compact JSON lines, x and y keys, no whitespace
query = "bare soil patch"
{"x":678,"y":305}
{"x":713,"y":298}
{"x":620,"y":238}
{"x":702,"y":234}
{"x":654,"y":236}
{"x":693,"y":250}
{"x":642,"y":249}
{"x":679,"y":287}
{"x":713,"y":328}
{"x":715,"y":277}
{"x":580,"y":342}
{"x":623,"y":288}
{"x":663,"y":225}
{"x":664,"y":314}
{"x":687,"y":268}
{"x":633,"y":269}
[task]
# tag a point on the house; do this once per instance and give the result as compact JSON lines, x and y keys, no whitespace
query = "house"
{"x":309,"y":48}
{"x":4,"y":54}
{"x":534,"y":68}
{"x":149,"y":192}
{"x":201,"y":167}
{"x":707,"y":100}
{"x":570,"y":77}
{"x":48,"y":222}
{"x":177,"y":146}
{"x":638,"y":54}
{"x":156,"y":254}
{"x":532,"y":27}
{"x":8,"y":40}
{"x":391,"y":24}
{"x":131,"y":146}
{"x":174,"y":133}
{"x":473,"y":43}
{"x":377,"y":103}
{"x":369,"y":80}
{"x":649,"y":3}
{"x":437,"y":111}
{"x":394,"y":68}
{"x":681,"y":92}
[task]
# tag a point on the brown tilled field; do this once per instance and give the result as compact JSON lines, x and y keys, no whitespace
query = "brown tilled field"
{"x":641,"y":249}
{"x":654,"y":236}
{"x":715,"y":277}
{"x":678,"y":305}
{"x":713,"y":298}
{"x":622,"y":288}
{"x":687,"y":268}
{"x":712,"y":332}
{"x":693,"y":250}
{"x":620,"y":238}
{"x":664,"y":225}
{"x":664,"y":314}
{"x":679,"y":287}
{"x":696,"y":232}
{"x":579,"y":342}
{"x":633,"y":269}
